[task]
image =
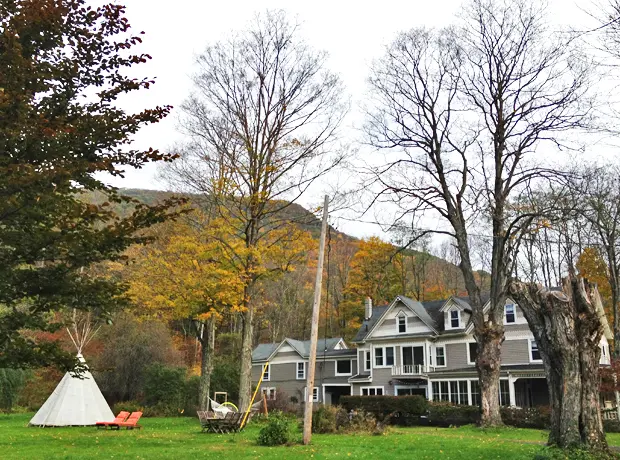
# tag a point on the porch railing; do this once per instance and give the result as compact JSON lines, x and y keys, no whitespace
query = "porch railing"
{"x":410,"y":369}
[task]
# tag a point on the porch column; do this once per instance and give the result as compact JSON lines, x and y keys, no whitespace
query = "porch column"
{"x":511,"y":390}
{"x":429,"y":391}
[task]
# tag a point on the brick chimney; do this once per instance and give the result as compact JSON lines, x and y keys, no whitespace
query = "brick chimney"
{"x":368,"y":308}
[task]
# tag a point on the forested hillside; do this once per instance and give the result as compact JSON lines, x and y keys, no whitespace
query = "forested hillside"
{"x":354,"y":269}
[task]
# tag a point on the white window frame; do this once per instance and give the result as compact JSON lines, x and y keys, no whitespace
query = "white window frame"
{"x":514,"y":314}
{"x":315,"y":394}
{"x":529,"y":347}
{"x":269,"y":392}
{"x":338,"y":374}
{"x":375,"y":388}
{"x":297,"y":370}
{"x":267,"y":374}
{"x":398,"y":318}
{"x":445,"y":360}
{"x":458,"y":312}
{"x":367,"y":360}
{"x":469,"y":361}
{"x":384,"y":357}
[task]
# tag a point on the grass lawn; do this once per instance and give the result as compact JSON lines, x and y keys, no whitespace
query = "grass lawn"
{"x":181,"y":438}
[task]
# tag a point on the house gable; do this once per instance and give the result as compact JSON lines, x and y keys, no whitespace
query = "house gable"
{"x":402,"y":310}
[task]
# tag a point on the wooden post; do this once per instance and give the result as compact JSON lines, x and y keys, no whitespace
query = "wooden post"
{"x":314,"y":332}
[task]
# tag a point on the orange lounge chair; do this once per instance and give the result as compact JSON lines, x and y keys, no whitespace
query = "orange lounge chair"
{"x":130,"y":423}
{"x":120,"y":418}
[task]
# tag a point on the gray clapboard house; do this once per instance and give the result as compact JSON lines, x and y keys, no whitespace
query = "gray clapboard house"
{"x":411,"y":347}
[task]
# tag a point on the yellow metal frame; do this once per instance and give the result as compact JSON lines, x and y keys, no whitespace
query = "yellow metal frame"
{"x":247,"y":412}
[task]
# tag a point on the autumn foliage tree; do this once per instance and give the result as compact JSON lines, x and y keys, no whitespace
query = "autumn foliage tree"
{"x":260,"y":128}
{"x":63,"y":66}
{"x":184,"y":276}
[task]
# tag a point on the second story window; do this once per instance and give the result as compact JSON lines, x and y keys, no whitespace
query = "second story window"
{"x":267,"y":372}
{"x":384,"y":356}
{"x":343,"y":367}
{"x":534,"y":352}
{"x":440,"y":356}
{"x":378,"y":356}
{"x":472,"y":349}
{"x":509,"y":314}
{"x":301,"y":371}
{"x":402,"y":324}
{"x":367,"y":361}
{"x":455,"y":319}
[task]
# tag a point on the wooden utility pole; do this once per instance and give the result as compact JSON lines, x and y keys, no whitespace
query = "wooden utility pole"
{"x":314,"y":332}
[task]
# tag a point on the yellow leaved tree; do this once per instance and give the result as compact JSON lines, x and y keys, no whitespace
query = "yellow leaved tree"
{"x":185,"y":275}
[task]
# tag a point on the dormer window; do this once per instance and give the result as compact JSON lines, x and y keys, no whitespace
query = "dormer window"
{"x":509,"y":314}
{"x":402,"y":324}
{"x":455,"y":319}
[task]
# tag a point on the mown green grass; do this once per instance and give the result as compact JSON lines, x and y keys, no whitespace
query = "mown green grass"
{"x":181,"y":438}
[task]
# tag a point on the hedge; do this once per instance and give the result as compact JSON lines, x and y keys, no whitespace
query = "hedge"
{"x":415,"y":405}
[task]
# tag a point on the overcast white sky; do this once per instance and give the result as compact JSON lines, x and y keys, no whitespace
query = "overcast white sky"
{"x":353,"y":33}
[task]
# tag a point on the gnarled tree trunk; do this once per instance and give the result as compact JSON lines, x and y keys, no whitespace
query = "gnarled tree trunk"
{"x":567,"y":328}
{"x":489,"y":341}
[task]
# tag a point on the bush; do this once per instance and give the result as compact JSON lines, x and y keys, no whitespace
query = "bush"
{"x":11,"y":385}
{"x":165,"y":389}
{"x":611,"y":426}
{"x":282,"y":403}
{"x":447,"y":414}
{"x":129,"y":406}
{"x":277,"y":432}
{"x":528,"y":417}
{"x":362,"y":422}
{"x":328,"y":419}
{"x":402,"y":407}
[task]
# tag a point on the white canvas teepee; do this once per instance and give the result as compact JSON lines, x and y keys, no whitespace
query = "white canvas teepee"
{"x":75,"y":401}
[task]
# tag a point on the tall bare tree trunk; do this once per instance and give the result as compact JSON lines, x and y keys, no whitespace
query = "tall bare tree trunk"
{"x":568,"y":330}
{"x":245,"y":375}
{"x":207,"y":346}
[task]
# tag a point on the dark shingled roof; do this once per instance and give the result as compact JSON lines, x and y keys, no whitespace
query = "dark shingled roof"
{"x":264,"y":350}
{"x":431,"y":314}
{"x":368,"y":324}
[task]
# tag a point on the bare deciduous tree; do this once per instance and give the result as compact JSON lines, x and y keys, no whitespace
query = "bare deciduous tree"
{"x":467,"y":108}
{"x":261,"y":125}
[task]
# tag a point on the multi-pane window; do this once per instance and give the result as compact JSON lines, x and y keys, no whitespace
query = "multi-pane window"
{"x":389,"y":356}
{"x":463,"y":398}
{"x":301,"y":371}
{"x":504,"y":393}
{"x":440,"y":356}
{"x":372,"y":391}
{"x":269,"y":392}
{"x":315,"y":394}
{"x":455,"y":319}
{"x":378,"y":356}
{"x":384,"y":356}
{"x":343,"y":367}
{"x":402,"y":324}
{"x":509,"y":313}
{"x":367,"y":361}
{"x":454,"y":391}
{"x":475,"y":392}
{"x":534,"y":353}
{"x":473,"y":352}
{"x":267,"y":372}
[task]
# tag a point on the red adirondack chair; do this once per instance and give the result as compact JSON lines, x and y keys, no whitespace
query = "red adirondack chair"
{"x":130,"y":423}
{"x":120,"y":418}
